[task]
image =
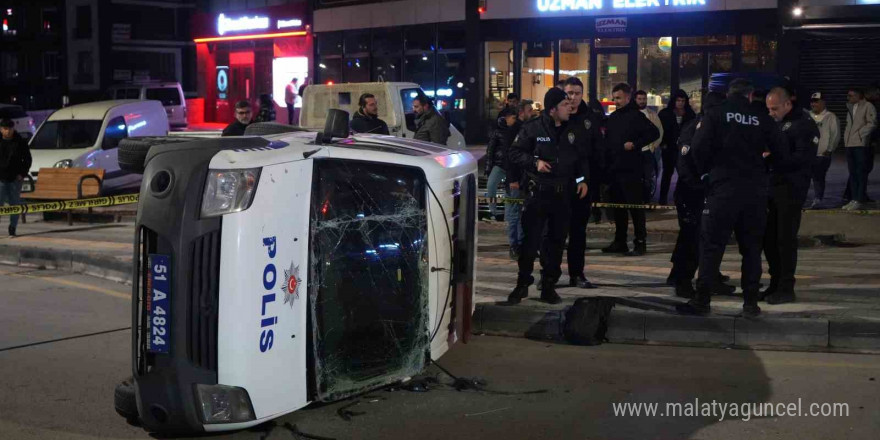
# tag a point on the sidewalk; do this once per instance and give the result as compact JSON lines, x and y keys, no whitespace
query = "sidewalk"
{"x":838,"y":308}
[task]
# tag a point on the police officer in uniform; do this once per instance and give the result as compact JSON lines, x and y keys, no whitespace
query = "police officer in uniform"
{"x":582,"y":115}
{"x":790,"y":182}
{"x":548,"y":150}
{"x":730,"y":144}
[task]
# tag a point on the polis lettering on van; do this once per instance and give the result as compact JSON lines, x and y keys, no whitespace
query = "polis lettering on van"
{"x":743,"y":119}
{"x":270,"y":276}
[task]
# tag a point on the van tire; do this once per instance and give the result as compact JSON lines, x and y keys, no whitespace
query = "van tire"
{"x":132,"y":152}
{"x":267,"y":128}
{"x":125,"y":401}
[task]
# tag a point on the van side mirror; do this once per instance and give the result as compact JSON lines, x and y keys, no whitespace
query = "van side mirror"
{"x":336,"y":125}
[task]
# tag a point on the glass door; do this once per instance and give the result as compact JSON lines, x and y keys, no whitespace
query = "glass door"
{"x":612,"y":68}
{"x":695,"y":69}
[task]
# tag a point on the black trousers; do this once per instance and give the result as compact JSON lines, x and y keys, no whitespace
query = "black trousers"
{"x":670,"y":157}
{"x":627,"y":188}
{"x":577,"y":237}
{"x":548,"y":209}
{"x":820,"y":170}
{"x":686,"y":256}
{"x":740,"y":208}
{"x":289,"y":114}
{"x":780,"y":240}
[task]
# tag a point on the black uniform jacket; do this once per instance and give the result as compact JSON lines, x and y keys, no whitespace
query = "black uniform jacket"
{"x":802,"y":142}
{"x":566,"y":148}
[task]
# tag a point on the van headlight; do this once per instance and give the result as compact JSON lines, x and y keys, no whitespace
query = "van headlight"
{"x":228,"y":191}
{"x":66,"y":163}
{"x":224,"y":404}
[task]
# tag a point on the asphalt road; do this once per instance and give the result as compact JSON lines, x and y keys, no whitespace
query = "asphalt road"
{"x":64,"y":345}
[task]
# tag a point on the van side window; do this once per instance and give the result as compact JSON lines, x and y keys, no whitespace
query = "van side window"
{"x":167,"y":95}
{"x":128,"y":94}
{"x":407,"y":96}
{"x":116,"y":131}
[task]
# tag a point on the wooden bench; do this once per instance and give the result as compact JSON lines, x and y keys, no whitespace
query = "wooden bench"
{"x":66,"y":184}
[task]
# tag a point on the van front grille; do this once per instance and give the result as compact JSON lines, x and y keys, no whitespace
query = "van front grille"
{"x":203,"y":298}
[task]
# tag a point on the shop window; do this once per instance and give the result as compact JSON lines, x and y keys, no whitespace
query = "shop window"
{"x":356,"y":70}
{"x":49,"y":20}
{"x":329,"y":70}
{"x":613,"y":42}
{"x":707,"y":40}
{"x":50,"y":65}
{"x":655,"y":69}
{"x":451,"y":36}
{"x":574,"y":60}
{"x":329,"y":43}
{"x":357,"y":43}
{"x":387,"y":41}
{"x":420,"y":70}
{"x":611,"y":70}
{"x":449,"y":94}
{"x":10,"y":21}
{"x":10,"y":65}
{"x":758,"y":53}
{"x":386,"y":69}
{"x":499,"y":75}
{"x":690,"y":77}
{"x":537,"y":70}
{"x":420,"y":38}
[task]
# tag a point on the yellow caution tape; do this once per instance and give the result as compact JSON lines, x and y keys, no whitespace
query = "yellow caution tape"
{"x":64,"y":205}
{"x":505,"y":200}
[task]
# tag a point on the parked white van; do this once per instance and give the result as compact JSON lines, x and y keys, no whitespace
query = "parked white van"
{"x":72,"y":131}
{"x":395,"y":106}
{"x":170,"y":94}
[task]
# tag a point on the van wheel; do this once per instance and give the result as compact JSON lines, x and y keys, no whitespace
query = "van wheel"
{"x":125,"y":401}
{"x":132,"y":153}
{"x":267,"y":128}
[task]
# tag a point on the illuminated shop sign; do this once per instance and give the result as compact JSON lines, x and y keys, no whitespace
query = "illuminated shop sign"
{"x":255,"y":23}
{"x":248,"y":23}
{"x":592,"y":5}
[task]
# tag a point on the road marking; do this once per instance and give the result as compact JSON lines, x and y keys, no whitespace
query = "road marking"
{"x":70,"y":283}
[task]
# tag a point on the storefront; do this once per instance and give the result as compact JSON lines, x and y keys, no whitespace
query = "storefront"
{"x":655,"y":45}
{"x":247,"y":54}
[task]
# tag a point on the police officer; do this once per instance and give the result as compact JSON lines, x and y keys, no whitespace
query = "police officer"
{"x":548,"y":151}
{"x":582,"y":115}
{"x":690,"y":197}
{"x":789,"y":184}
{"x":730,"y":144}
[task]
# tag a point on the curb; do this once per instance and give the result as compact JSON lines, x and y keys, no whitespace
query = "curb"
{"x":627,"y":325}
{"x":88,"y":263}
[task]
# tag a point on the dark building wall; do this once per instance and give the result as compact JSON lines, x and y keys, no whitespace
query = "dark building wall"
{"x":32,"y":54}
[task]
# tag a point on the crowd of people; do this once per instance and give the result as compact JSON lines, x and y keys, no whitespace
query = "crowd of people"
{"x":745,"y":164}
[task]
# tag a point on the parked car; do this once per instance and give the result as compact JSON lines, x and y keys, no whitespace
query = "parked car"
{"x":24,"y":124}
{"x":279,"y":270}
{"x":395,"y":106}
{"x":170,"y":94}
{"x":86,"y":135}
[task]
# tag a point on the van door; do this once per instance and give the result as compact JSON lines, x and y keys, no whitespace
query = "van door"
{"x":407,"y":96}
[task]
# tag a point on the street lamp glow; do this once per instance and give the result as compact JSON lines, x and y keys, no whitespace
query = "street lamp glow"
{"x":797,"y":11}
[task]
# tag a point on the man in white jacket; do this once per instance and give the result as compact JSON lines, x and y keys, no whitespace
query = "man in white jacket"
{"x":829,"y":137}
{"x":861,"y":120}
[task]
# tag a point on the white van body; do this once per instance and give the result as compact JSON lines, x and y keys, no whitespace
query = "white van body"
{"x":307,"y":263}
{"x":170,"y":94}
{"x":73,"y":131}
{"x":394,"y":99}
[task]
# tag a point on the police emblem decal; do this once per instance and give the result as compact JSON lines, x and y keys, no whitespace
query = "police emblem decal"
{"x":571,"y":138}
{"x":587,"y":124}
{"x":291,"y":284}
{"x":699,"y":124}
{"x":816,"y":140}
{"x":786,"y":126}
{"x":685,"y":149}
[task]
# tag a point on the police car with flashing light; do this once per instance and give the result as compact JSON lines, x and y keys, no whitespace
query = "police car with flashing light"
{"x":288,"y":267}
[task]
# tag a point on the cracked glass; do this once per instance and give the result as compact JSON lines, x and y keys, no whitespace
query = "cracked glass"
{"x":369,"y":263}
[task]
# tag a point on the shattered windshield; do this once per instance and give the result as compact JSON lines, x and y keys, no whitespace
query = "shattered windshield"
{"x":369,"y":260}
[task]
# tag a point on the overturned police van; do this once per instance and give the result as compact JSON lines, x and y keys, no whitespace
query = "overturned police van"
{"x":278,"y":270}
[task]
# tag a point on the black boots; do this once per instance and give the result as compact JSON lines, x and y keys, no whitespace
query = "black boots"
{"x":684,"y":289}
{"x":780,"y":297}
{"x":750,"y":305}
{"x":639,"y":248}
{"x":11,"y":231}
{"x":520,"y":292}
{"x":698,"y":305}
{"x":549,"y":295}
{"x":580,"y":281}
{"x":616,"y":248}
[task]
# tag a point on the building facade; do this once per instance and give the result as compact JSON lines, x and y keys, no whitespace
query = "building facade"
{"x":32,"y":54}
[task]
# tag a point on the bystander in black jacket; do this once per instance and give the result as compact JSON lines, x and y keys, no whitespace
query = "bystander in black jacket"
{"x":514,"y":171}
{"x":563,"y":147}
{"x":496,"y":150}
{"x":234,"y":129}
{"x":364,"y":123}
{"x":688,"y":176}
{"x":15,"y":158}
{"x":628,"y":124}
